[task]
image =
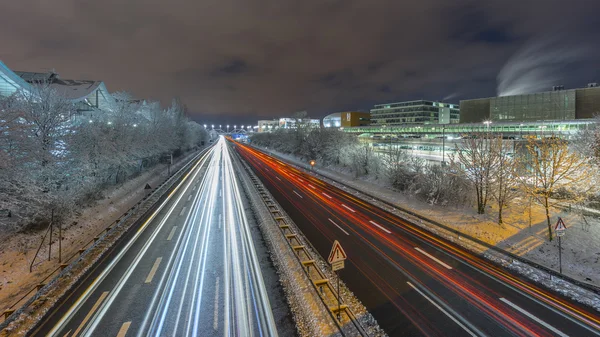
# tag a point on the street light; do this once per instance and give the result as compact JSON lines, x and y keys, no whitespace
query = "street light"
{"x":312,"y":164}
{"x":212,"y":126}
{"x":205,"y":126}
{"x":227,"y":127}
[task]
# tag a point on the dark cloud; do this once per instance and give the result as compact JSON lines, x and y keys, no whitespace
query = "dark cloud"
{"x":244,"y":58}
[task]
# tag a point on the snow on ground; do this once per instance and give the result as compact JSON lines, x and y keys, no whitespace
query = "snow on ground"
{"x":18,"y":249}
{"x":580,"y":245}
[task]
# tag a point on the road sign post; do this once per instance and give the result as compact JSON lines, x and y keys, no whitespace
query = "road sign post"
{"x":336,"y":259}
{"x":560,"y":230}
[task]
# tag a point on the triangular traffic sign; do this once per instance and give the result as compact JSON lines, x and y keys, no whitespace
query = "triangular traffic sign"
{"x":337,"y":253}
{"x":560,"y":225}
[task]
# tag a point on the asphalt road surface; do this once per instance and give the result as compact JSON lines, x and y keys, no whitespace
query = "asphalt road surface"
{"x":414,"y":283}
{"x":192,"y":270}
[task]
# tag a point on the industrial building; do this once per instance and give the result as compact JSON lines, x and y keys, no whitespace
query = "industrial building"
{"x":555,"y":105}
{"x":414,"y":112}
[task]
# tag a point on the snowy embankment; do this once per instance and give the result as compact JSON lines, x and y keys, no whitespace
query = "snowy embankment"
{"x":18,"y":249}
{"x":522,"y":234}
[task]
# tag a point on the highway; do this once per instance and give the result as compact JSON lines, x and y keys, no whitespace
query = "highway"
{"x":412,"y":282}
{"x":190,"y":270}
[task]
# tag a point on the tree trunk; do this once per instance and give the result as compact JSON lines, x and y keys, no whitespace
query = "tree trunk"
{"x":500,"y":206}
{"x":548,"y":218}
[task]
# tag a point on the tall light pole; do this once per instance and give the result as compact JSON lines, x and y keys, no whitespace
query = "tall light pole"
{"x":219,"y":126}
{"x":205,"y":126}
{"x":443,"y":145}
{"x":227,"y":127}
{"x":212,"y":126}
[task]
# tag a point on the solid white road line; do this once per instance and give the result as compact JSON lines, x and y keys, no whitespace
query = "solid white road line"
{"x":348,"y":208}
{"x":278,"y":178}
{"x":544,"y":324}
{"x":182,"y":210}
{"x":381,"y":227}
{"x":172,"y":233}
{"x":216,"y":313}
{"x":298,"y":194}
{"x":89,"y":315}
{"x":68,"y":333}
{"x":338,"y":227}
{"x":124,"y":328}
{"x":327,"y":195}
{"x":442,"y":310}
{"x":153,"y":270}
{"x":432,"y":257}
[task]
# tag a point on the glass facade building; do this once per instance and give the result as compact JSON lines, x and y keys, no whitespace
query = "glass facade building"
{"x":414,"y":112}
{"x":550,"y":105}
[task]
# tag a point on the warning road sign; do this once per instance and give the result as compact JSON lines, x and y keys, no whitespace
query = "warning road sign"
{"x":337,"y":253}
{"x":560,"y":227}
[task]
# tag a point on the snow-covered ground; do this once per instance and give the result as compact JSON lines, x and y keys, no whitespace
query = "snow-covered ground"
{"x":580,"y":245}
{"x":18,"y":249}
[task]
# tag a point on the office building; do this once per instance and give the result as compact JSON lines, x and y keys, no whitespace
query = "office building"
{"x":414,"y":112}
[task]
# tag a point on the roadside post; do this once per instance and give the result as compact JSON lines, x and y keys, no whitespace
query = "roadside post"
{"x":560,"y":230}
{"x":336,"y":260}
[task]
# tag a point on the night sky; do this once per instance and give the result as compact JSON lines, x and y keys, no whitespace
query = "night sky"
{"x":233,"y":61}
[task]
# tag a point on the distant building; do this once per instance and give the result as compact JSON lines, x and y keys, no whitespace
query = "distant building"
{"x":355,"y":118}
{"x":267,"y":125}
{"x":414,"y":112}
{"x":555,"y":105}
{"x":290,"y":123}
{"x":333,"y":120}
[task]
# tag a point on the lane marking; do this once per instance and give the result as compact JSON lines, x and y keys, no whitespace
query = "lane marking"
{"x":432,"y":257}
{"x":182,"y":210}
{"x":189,"y":198}
{"x":220,"y":193}
{"x":327,"y":195}
{"x":348,"y":208}
{"x":526,"y":313}
{"x":278,"y":178}
{"x":301,"y":180}
{"x":298,"y":195}
{"x":442,"y":310}
{"x":124,"y":328}
{"x":220,"y":220}
{"x":172,"y":233}
{"x":311,"y":186}
{"x":92,"y":311}
{"x":153,"y":270}
{"x":216,"y":313}
{"x":338,"y":226}
{"x":67,"y":334}
{"x":380,"y":227}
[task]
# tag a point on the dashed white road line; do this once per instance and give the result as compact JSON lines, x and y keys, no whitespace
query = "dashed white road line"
{"x":348,"y":208}
{"x":311,"y":186}
{"x":432,"y":257}
{"x":338,"y":227}
{"x":442,"y":310}
{"x":327,"y":195}
{"x":189,"y":198}
{"x":172,"y":233}
{"x":526,"y":313}
{"x":182,"y":210}
{"x":278,"y":178}
{"x":220,"y":220}
{"x":216,"y":312}
{"x":380,"y":227}
{"x":298,"y":194}
{"x":123,"y":330}
{"x":153,"y":270}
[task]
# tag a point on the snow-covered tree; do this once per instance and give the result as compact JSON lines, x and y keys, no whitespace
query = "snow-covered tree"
{"x":506,"y":178}
{"x":476,"y":159}
{"x":553,"y":166}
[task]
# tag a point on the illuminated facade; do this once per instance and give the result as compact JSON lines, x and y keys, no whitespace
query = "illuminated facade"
{"x":414,"y":112}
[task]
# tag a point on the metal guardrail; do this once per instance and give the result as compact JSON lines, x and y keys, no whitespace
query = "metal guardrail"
{"x":322,"y":285}
{"x":552,"y":272}
{"x":63,"y":267}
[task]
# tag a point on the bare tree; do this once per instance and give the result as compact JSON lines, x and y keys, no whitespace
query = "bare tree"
{"x":476,"y":159}
{"x":505,"y":177}
{"x":553,"y":166}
